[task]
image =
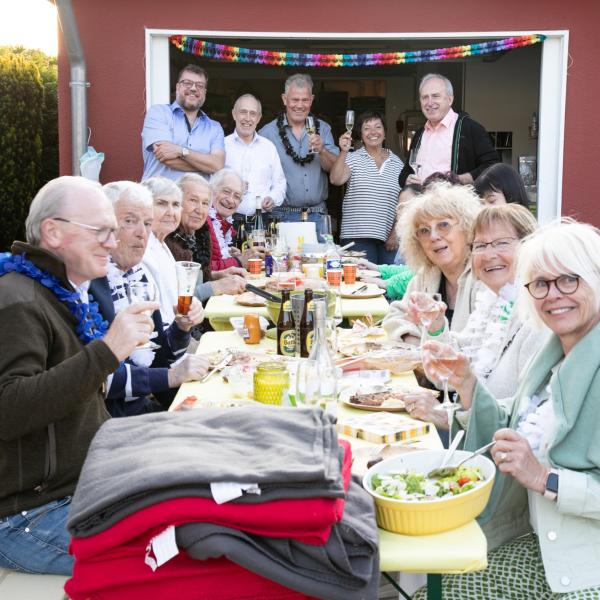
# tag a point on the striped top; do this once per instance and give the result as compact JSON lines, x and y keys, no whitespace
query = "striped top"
{"x":369,"y":207}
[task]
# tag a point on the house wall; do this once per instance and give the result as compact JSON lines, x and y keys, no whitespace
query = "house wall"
{"x":112,"y":33}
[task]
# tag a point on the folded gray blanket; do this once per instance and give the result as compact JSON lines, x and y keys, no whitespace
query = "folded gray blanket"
{"x":137,"y":461}
{"x":345,"y":568}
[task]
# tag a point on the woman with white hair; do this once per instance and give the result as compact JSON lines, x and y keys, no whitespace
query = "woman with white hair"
{"x":545,"y":504}
{"x":435,"y":229}
{"x":158,"y":259}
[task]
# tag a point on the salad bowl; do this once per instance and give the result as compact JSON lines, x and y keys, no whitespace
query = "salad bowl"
{"x":419,"y":506}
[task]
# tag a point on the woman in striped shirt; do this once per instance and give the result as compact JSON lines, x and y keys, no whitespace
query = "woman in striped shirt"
{"x":369,"y":207}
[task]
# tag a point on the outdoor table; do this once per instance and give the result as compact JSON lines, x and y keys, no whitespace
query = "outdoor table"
{"x":460,"y":550}
{"x":218,"y":309}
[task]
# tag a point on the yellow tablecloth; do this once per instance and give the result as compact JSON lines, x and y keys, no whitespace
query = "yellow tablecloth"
{"x":218,"y":309}
{"x":458,"y":551}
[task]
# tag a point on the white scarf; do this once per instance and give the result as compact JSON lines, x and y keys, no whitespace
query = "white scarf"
{"x":225,"y":240}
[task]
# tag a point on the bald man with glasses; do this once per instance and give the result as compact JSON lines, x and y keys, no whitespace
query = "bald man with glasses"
{"x":180,"y":138}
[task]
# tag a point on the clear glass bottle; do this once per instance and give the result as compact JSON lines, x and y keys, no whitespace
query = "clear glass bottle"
{"x":321,"y":354}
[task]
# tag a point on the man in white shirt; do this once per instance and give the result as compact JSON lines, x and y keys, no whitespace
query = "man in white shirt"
{"x":256,"y":159}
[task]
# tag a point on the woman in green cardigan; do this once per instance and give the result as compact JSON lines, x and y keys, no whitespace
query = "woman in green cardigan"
{"x":543,"y":518}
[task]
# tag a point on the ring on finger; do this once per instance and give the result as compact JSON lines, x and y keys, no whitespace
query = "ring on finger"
{"x":502,"y":456}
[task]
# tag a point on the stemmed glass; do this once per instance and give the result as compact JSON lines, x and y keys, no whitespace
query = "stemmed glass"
{"x":143,"y":291}
{"x":413,"y":161}
{"x":311,"y":130}
{"x":350,"y":125}
{"x":427,"y":306}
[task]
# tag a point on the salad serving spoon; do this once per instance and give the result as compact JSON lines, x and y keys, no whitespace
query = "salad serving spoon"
{"x":450,"y":471}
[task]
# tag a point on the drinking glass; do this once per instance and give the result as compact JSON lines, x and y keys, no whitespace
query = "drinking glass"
{"x":307,"y":383}
{"x":188,"y":274}
{"x":311,"y":130}
{"x":143,"y":291}
{"x":325,"y":227}
{"x":350,"y":125}
{"x":413,"y":161}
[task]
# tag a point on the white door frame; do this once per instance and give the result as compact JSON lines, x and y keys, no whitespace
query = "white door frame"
{"x":553,"y":88}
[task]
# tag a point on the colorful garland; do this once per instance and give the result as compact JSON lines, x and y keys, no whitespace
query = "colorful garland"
{"x":214,"y":51}
{"x":90,"y":324}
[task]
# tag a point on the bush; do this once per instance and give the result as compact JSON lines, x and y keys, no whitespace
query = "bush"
{"x":28,"y":134}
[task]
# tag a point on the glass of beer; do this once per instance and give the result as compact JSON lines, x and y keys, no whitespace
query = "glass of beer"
{"x":188,"y":274}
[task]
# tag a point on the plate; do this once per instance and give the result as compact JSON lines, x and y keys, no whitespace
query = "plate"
{"x":367,"y":273}
{"x":372,"y":291}
{"x":386,"y":406}
{"x":250,"y":299}
{"x":259,"y":281}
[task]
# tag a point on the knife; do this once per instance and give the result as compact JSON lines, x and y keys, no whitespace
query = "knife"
{"x":263,"y":293}
{"x":362,"y":288}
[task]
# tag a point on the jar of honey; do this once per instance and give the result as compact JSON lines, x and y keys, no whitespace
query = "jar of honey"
{"x":271,"y":379}
{"x":251,"y":332}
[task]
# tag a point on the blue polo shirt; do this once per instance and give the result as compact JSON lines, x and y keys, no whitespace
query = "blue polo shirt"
{"x":166,"y":122}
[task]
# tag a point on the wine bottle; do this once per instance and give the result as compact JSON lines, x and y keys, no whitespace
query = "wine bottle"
{"x":307,"y":324}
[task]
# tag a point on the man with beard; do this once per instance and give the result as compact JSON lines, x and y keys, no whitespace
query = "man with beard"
{"x":180,"y":137}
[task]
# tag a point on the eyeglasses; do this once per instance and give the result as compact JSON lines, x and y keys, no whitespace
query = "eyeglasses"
{"x":188,"y":85}
{"x":501,"y":244}
{"x":102,"y":233}
{"x":565,"y":284}
{"x":442,"y":229}
{"x":229,"y":192}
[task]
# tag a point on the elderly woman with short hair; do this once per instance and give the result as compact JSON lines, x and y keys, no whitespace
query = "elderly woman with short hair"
{"x":158,"y":259}
{"x":435,"y":230}
{"x":544,"y":512}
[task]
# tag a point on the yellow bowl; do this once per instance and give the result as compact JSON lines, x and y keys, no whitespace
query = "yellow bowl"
{"x":432,"y":516}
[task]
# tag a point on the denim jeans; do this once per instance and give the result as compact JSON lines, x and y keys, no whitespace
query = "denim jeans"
{"x":375,"y":249}
{"x":36,"y":540}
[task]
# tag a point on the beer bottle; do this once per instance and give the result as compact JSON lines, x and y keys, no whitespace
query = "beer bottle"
{"x":307,"y":324}
{"x":304,"y":214}
{"x":286,"y":331}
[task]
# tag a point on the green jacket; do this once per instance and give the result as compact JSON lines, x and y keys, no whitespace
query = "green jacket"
{"x":569,"y":529}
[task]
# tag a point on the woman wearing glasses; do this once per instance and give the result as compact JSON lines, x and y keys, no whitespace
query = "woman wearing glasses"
{"x":435,"y":230}
{"x":545,"y":504}
{"x":495,"y":340}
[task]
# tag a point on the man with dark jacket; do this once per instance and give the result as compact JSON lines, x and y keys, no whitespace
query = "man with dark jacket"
{"x":449,"y":141}
{"x":57,"y":353}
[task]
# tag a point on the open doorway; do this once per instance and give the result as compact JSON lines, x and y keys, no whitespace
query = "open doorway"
{"x":501,"y":91}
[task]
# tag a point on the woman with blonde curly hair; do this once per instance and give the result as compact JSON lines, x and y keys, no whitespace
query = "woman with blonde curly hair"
{"x":435,"y":230}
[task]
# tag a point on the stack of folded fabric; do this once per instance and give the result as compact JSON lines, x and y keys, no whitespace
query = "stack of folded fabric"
{"x":145,"y":523}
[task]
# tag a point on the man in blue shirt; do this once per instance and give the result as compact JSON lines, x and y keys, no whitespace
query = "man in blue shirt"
{"x":305,"y":174}
{"x":180,"y":138}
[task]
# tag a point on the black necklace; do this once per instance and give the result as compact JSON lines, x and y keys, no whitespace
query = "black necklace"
{"x":301,"y":160}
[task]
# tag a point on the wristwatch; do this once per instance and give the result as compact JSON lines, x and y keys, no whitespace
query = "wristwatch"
{"x":184,"y":151}
{"x":551,"y":491}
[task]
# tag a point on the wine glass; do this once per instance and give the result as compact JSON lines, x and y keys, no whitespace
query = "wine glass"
{"x":413,"y":161}
{"x":350,"y":125}
{"x":310,"y":130}
{"x":143,"y":291}
{"x":427,"y":306}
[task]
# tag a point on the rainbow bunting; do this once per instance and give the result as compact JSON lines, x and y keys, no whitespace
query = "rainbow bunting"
{"x":214,"y":51}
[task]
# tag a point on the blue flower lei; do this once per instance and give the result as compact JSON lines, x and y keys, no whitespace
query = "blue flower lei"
{"x":91,"y":326}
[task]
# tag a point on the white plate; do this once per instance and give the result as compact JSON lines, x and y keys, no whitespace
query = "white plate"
{"x":372,"y":291}
{"x":370,"y":388}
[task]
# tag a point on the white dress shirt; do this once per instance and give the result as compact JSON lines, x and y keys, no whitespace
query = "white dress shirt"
{"x":258,"y":163}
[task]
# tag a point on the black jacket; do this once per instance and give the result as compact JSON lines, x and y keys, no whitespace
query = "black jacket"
{"x":472,"y":149}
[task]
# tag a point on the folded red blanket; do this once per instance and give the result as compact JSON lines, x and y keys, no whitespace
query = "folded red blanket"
{"x":129,"y":578}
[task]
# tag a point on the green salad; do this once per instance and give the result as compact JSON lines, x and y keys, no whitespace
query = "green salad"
{"x":407,"y":485}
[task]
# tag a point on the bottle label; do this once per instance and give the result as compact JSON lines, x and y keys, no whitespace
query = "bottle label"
{"x":268,"y":265}
{"x":287,"y":306}
{"x":309,"y":340}
{"x":334,"y":264}
{"x":287,"y":343}
{"x":311,"y":306}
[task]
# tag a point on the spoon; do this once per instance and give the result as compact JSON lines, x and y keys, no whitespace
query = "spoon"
{"x":450,"y":471}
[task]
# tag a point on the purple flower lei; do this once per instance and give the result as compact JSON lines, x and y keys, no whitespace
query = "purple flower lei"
{"x":91,"y":326}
